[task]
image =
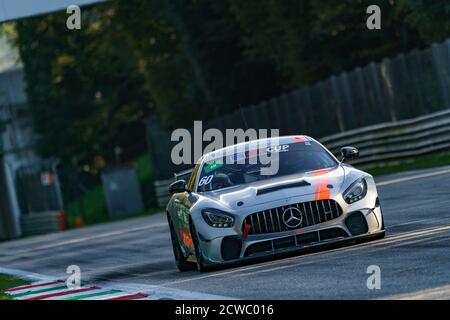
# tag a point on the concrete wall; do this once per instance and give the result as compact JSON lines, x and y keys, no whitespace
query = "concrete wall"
{"x":16,"y":143}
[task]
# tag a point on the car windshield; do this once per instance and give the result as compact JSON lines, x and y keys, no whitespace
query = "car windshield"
{"x":294,"y":158}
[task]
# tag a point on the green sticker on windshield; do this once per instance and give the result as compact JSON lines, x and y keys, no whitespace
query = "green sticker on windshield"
{"x":213,"y":166}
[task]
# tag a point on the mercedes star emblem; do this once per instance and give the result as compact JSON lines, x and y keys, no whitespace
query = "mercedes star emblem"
{"x":292,"y":217}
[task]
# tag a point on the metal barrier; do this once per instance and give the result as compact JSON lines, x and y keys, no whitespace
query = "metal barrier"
{"x":387,"y":143}
{"x":162,"y":191}
{"x":379,"y":145}
{"x":43,"y":223}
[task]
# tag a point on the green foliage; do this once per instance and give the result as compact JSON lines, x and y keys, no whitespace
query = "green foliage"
{"x":422,"y":162}
{"x":430,"y":18}
{"x":83,"y":88}
{"x":306,"y":41}
{"x":195,"y":59}
{"x":91,"y":206}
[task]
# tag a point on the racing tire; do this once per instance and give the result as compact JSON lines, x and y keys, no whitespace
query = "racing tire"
{"x":180,"y":260}
{"x":198,"y":252}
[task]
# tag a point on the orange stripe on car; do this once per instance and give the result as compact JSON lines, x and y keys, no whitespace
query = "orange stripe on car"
{"x":322,"y":191}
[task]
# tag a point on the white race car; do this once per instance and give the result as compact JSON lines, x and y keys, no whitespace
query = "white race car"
{"x":230,"y":211}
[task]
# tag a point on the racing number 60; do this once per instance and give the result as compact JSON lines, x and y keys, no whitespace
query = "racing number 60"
{"x":205,"y":180}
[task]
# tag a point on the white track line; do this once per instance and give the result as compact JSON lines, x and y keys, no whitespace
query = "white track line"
{"x":31,"y":290}
{"x":415,"y":177}
{"x":89,"y":238}
{"x":442,"y":293}
{"x":387,"y":240}
{"x":154,"y":292}
{"x":400,"y":244}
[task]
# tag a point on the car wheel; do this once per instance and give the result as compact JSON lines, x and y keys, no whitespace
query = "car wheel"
{"x":198,"y":251}
{"x":180,"y":260}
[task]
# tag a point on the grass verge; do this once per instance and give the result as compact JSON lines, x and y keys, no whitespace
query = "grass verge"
{"x":91,"y":207}
{"x":421,"y":162}
{"x":6,"y":282}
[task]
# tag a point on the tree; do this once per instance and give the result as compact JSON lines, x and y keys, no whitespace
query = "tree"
{"x":190,"y":54}
{"x":308,"y":40}
{"x":430,"y":18}
{"x":86,"y":94}
{"x":187,"y":60}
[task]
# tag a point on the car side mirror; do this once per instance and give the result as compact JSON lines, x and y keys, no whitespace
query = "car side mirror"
{"x":178,"y":187}
{"x":349,"y":153}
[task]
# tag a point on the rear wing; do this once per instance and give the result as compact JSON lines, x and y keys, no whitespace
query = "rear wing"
{"x":183,"y":175}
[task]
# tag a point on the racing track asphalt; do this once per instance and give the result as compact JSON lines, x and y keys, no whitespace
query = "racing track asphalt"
{"x":414,"y":258}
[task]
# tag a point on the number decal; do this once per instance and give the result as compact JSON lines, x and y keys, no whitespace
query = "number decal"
{"x":205,"y":180}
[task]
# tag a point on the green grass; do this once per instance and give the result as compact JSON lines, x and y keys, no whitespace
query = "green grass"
{"x":421,"y":162}
{"x":7,"y":282}
{"x":91,"y":207}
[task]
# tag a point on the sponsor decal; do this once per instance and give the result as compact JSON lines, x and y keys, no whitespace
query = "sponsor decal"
{"x":213,"y":166}
{"x":183,"y":216}
{"x":186,"y":237}
{"x":237,"y":157}
{"x":298,"y":139}
{"x":255,"y":152}
{"x":279,"y":148}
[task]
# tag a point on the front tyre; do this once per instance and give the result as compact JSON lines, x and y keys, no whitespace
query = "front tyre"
{"x":180,"y":260}
{"x":198,"y":251}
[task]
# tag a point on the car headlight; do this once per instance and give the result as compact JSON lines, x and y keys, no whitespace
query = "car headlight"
{"x":217,"y":218}
{"x":356,"y":191}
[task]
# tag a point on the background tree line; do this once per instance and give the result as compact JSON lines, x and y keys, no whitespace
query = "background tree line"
{"x":183,"y":60}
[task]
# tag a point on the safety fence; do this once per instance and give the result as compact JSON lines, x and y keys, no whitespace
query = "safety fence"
{"x":379,"y":145}
{"x":403,"y":87}
{"x":388,"y":143}
{"x":43,"y":222}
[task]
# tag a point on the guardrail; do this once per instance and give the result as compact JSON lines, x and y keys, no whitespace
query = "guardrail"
{"x":379,"y":145}
{"x":43,"y":222}
{"x":162,"y":191}
{"x":387,"y":143}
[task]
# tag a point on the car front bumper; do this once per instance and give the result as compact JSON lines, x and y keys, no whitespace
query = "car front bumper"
{"x":228,"y":245}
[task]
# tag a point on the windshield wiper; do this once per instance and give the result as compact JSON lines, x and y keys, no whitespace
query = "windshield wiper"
{"x":302,"y":183}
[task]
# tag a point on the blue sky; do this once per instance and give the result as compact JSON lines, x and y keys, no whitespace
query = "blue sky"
{"x":14,"y":9}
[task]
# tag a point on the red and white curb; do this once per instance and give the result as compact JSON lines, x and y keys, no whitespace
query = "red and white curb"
{"x":50,"y":288}
{"x":58,"y":290}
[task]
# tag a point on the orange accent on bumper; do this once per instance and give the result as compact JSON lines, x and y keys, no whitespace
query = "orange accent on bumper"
{"x":186,"y":237}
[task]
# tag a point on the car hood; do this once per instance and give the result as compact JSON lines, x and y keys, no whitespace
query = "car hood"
{"x":319,"y":184}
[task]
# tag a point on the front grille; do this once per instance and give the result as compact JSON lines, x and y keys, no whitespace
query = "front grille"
{"x":307,"y":214}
